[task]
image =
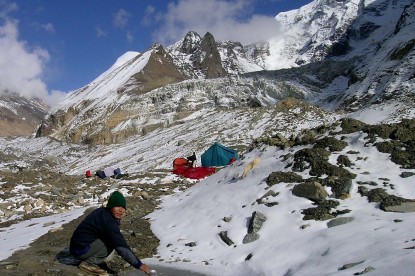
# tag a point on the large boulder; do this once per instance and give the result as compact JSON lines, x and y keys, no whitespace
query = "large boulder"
{"x":310,"y":190}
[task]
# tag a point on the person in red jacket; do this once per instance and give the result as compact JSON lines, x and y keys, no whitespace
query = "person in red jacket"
{"x":99,"y":234}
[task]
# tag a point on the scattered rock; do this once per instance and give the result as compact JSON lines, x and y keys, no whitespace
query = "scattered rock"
{"x":407,"y":174}
{"x":322,"y":211}
{"x":404,"y":207}
{"x":270,"y":204}
{"x":277,"y":140}
{"x":250,"y":237}
{"x":250,"y":255}
{"x":330,"y":143}
{"x":39,"y":202}
{"x":283,"y":177}
{"x":55,"y":229}
{"x":370,"y":183}
{"x":81,"y":200}
{"x":366,"y":270}
{"x":350,"y":125}
{"x":343,"y":160}
{"x":27,"y":208}
{"x":145,"y":195}
{"x":388,"y":203}
{"x":340,"y":186}
{"x":307,"y":136}
{"x":263,"y":199}
{"x":401,"y":145}
{"x":316,"y":159}
{"x":339,"y":221}
{"x":310,"y":190}
{"x":256,"y":222}
{"x":224,"y":236}
{"x":181,"y":142}
{"x":304,"y":226}
{"x":48,"y":224}
{"x":347,"y":266}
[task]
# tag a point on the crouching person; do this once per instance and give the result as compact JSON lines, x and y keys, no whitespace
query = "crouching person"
{"x":99,"y":234}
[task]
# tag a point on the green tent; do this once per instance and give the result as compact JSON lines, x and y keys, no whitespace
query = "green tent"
{"x":218,"y":155}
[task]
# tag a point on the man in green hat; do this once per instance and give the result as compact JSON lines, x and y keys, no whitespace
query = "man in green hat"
{"x":99,"y":234}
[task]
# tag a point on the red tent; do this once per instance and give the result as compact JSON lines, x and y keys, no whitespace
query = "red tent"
{"x":180,"y":163}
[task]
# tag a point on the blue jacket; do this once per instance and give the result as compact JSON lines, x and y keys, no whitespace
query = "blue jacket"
{"x":100,"y":224}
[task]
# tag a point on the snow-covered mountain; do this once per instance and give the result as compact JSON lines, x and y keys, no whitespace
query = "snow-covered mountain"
{"x":339,"y":55}
{"x":20,"y":116}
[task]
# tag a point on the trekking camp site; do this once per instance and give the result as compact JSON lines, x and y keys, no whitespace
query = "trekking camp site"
{"x":336,"y":204}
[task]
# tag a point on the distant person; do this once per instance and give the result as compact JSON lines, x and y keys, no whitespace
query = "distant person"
{"x":191,"y":160}
{"x":98,"y":235}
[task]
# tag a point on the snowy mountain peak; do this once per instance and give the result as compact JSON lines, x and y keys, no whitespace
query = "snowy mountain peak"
{"x":311,"y":30}
{"x":340,"y":55}
{"x":189,"y":42}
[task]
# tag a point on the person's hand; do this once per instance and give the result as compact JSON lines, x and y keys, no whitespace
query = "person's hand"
{"x":145,"y":268}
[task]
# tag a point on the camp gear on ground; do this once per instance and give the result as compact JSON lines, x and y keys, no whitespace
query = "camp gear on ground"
{"x":194,"y":173}
{"x":109,"y":172}
{"x":100,"y":174}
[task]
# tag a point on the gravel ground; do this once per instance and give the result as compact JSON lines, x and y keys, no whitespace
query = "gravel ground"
{"x":41,"y":257}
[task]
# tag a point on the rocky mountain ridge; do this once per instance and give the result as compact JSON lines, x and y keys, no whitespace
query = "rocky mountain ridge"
{"x":359,"y":61}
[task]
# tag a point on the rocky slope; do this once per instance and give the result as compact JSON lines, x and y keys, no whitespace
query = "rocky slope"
{"x":311,"y":150}
{"x":157,"y":149}
{"x":60,"y":193}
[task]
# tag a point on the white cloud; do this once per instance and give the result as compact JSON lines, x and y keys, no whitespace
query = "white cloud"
{"x":121,"y":18}
{"x":129,"y":37}
{"x":100,"y":32}
{"x":54,"y":97}
{"x":149,"y":14}
{"x":150,"y":10}
{"x":22,"y":67}
{"x":48,"y":27}
{"x":226,"y":20}
{"x":6,"y":8}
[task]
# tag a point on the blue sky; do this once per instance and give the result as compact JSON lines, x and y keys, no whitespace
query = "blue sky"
{"x":58,"y":46}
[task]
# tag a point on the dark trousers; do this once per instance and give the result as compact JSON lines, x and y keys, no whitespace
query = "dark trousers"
{"x":97,"y":253}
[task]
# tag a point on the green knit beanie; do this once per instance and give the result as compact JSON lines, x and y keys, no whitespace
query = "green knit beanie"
{"x":116,"y":199}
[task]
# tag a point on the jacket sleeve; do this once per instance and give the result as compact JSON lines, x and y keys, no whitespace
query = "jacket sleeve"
{"x":128,"y":256}
{"x":121,"y":247}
